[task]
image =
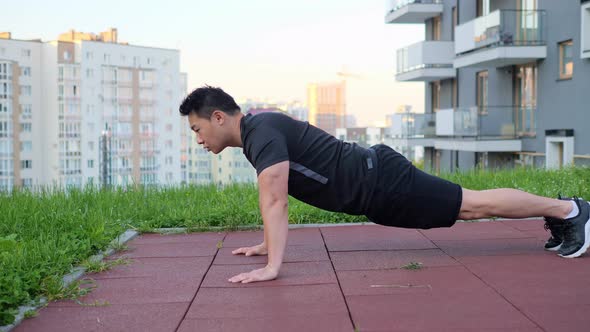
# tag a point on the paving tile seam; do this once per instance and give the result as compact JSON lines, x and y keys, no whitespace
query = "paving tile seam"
{"x":497,"y":292}
{"x":399,"y":268}
{"x":199,"y":287}
{"x":151,"y":257}
{"x":338,"y":281}
{"x":298,"y":261}
{"x":494,"y":290}
{"x":524,"y":237}
{"x":254,"y":285}
{"x":357,"y":250}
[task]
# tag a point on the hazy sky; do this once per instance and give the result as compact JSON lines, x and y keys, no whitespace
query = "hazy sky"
{"x":250,"y":48}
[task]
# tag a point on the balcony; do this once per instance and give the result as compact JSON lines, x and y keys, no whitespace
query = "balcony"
{"x":413,"y":129}
{"x":483,"y":129}
{"x":426,"y":61}
{"x":502,"y":38}
{"x":585,"y":36}
{"x":413,"y":11}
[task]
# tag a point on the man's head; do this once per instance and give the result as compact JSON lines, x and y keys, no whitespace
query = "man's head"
{"x":214,"y":116}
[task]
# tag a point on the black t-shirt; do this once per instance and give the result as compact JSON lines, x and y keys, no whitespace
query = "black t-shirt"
{"x":323,"y":171}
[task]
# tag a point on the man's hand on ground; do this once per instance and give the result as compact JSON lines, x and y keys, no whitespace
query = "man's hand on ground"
{"x":252,"y":251}
{"x":266,"y":273}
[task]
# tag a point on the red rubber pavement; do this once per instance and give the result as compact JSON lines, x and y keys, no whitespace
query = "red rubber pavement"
{"x":473,"y":277}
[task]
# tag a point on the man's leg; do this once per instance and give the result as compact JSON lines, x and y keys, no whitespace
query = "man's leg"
{"x":513,"y":203}
{"x":510,"y":203}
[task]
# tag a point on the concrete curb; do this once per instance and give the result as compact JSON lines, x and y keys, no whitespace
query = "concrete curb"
{"x":74,"y":275}
{"x":184,"y":230}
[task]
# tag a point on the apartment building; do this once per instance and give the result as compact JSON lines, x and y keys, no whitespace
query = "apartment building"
{"x":363,"y":136}
{"x":326,"y":103}
{"x":21,"y":159}
{"x":505,"y":82}
{"x":87,"y":108}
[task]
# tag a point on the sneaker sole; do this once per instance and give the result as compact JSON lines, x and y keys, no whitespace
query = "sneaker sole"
{"x":586,"y":243}
{"x":554,"y":248}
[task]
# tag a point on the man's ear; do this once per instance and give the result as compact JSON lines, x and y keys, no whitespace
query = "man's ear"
{"x":218,"y":116}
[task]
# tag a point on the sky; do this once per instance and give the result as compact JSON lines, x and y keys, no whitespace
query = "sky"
{"x":257,"y":49}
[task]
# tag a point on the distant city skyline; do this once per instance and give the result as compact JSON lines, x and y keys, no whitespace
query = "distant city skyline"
{"x":256,"y":49}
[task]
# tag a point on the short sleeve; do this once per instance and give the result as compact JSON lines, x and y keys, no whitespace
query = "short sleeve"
{"x":266,"y":148}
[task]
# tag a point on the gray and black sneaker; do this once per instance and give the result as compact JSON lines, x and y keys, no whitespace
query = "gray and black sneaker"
{"x":556,"y":227}
{"x":576,"y":232}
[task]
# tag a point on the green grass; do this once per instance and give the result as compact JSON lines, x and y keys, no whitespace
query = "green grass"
{"x":413,"y":266}
{"x":43,"y":235}
{"x":103,"y":265}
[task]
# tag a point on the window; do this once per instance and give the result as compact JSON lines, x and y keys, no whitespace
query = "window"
{"x":26,"y":53}
{"x":483,"y":7}
{"x":566,"y":61}
{"x":89,"y":73}
{"x":27,"y":71}
{"x":91,"y":146}
{"x":25,"y":127}
{"x":89,"y":55}
{"x":435,"y":95}
{"x":481,"y":98}
{"x":90,"y":163}
{"x":66,"y":55}
{"x":26,"y":146}
{"x":26,"y":111}
{"x":3,"y":128}
{"x":26,"y":164}
{"x":27,"y":182}
{"x":436,"y":28}
{"x":455,"y":22}
{"x":25,"y":90}
{"x":455,"y":93}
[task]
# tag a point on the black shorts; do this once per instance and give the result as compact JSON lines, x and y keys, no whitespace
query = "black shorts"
{"x":405,"y":196}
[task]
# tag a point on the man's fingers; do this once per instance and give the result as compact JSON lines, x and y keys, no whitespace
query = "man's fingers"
{"x":240,"y":251}
{"x":237,"y":278}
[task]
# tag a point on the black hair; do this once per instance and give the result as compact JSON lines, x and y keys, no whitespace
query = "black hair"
{"x":204,"y":100}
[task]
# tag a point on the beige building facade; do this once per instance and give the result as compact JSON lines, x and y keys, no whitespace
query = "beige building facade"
{"x":326,"y":104}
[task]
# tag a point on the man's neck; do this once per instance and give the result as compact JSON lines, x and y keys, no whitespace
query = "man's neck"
{"x":236,"y":140}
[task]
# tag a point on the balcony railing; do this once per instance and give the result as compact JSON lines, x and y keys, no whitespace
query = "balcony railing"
{"x":412,"y":11}
{"x":413,"y":125}
{"x":425,"y":55}
{"x":486,"y":122}
{"x":502,"y":28}
{"x":397,"y":4}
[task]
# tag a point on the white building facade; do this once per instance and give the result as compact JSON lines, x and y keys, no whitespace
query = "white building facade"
{"x":89,"y":110}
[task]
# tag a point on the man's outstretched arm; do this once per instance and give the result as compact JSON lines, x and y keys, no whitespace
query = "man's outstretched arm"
{"x":273,"y":201}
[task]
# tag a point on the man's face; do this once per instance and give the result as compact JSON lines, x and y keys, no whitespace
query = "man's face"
{"x":209,"y":132}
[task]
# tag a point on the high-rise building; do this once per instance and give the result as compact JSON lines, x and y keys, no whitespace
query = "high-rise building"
{"x":87,"y":108}
{"x":505,"y":82}
{"x":326,"y":103}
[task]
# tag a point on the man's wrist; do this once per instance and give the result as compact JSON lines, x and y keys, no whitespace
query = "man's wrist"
{"x":273,"y":268}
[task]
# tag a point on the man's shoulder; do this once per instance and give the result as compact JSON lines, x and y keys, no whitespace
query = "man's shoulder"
{"x":269,"y":117}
